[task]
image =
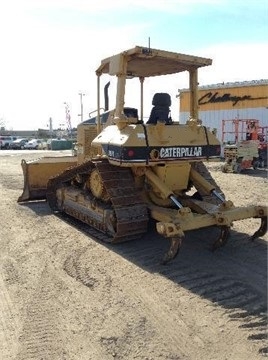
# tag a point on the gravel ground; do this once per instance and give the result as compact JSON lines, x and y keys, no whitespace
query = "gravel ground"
{"x":66,"y":295}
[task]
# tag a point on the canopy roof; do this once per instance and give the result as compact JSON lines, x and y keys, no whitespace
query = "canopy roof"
{"x":145,"y":62}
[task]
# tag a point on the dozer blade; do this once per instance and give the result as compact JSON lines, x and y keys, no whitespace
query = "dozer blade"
{"x":37,"y":173}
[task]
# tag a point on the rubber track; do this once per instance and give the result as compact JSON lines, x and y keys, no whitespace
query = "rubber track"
{"x":130,"y":210}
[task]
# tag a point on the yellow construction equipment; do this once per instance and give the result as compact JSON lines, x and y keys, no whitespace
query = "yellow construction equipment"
{"x":243,"y":153}
{"x":128,"y":171}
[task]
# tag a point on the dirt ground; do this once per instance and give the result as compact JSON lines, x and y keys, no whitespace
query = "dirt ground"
{"x":67,"y":296}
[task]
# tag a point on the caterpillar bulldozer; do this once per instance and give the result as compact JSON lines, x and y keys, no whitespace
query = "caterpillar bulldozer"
{"x":129,"y":172}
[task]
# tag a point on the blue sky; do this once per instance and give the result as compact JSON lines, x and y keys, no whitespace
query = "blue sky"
{"x":50,"y":49}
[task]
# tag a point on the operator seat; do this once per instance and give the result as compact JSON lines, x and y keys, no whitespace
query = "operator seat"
{"x":161,"y":111}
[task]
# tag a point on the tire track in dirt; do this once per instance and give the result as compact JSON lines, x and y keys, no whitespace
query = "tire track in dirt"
{"x":40,"y":337}
{"x":227,"y":297}
{"x":9,"y":328}
{"x":235,"y":285}
{"x":225,"y":293}
{"x":80,"y":273}
{"x":131,"y":333}
{"x":231,"y":293}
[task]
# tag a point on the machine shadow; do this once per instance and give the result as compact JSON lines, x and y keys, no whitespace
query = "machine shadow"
{"x":195,"y":259}
{"x":233,"y":278}
{"x":40,"y":207}
{"x":261,"y":173}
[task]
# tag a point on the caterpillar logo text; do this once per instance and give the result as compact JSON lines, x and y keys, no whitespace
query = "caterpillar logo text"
{"x":179,"y":152}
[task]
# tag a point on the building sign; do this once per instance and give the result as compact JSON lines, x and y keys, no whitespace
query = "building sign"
{"x":229,"y":96}
{"x":211,"y":98}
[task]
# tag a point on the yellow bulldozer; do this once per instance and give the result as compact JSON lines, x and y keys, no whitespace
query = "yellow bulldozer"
{"x":129,"y":171}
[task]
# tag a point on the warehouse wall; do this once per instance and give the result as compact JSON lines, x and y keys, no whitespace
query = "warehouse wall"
{"x":244,"y":100}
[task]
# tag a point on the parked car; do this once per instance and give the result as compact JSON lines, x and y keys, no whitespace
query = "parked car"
{"x":42,"y":145}
{"x":18,"y":144}
{"x":34,"y":144}
{"x":5,"y":141}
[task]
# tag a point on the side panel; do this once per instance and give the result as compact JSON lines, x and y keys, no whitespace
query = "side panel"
{"x":151,"y":144}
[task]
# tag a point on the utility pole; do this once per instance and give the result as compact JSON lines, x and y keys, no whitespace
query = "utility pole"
{"x":50,"y":127}
{"x":68,"y":118}
{"x":81,"y":105}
